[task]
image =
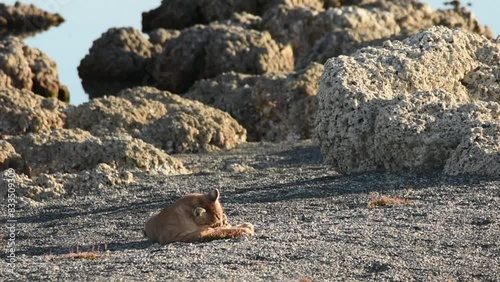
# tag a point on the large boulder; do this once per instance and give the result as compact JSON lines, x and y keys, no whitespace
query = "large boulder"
{"x":272,"y":107}
{"x":21,"y":111}
{"x":166,"y":120}
{"x":430,"y":101}
{"x":119,"y":59}
{"x":23,"y":20}
{"x":207,"y":51}
{"x":28,"y":68}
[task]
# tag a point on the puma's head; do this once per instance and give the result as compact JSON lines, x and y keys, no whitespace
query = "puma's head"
{"x":207,"y":210}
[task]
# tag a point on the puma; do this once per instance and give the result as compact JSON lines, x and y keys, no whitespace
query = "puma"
{"x":194,"y":218}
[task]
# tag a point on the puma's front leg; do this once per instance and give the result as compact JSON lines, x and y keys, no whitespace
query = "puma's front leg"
{"x":242,"y":230}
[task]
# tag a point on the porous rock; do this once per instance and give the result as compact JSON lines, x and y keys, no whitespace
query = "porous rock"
{"x":180,"y":14}
{"x":21,"y":111}
{"x":288,"y":24}
{"x":74,"y":150}
{"x":166,"y":120}
{"x":10,"y":159}
{"x":95,"y":180}
{"x":29,"y":192}
{"x":319,"y":35}
{"x":402,"y":106}
{"x":28,"y":68}
{"x":119,"y":59}
{"x":33,"y":191}
{"x":207,"y":51}
{"x":272,"y":107}
{"x":23,"y":20}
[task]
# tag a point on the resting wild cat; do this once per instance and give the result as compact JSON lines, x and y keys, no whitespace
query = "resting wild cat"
{"x":194,"y":217}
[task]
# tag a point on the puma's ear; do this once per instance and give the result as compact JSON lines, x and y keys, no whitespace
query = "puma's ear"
{"x":198,"y":211}
{"x":214,"y":195}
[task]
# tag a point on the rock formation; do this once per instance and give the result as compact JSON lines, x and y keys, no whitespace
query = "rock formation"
{"x":166,"y":120}
{"x":272,"y":107}
{"x":28,"y":68}
{"x":23,"y":20}
{"x":430,"y":101}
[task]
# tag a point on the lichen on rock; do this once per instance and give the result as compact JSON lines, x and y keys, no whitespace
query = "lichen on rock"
{"x":401,"y":106}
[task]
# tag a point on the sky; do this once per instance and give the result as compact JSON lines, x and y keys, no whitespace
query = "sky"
{"x":86,"y":20}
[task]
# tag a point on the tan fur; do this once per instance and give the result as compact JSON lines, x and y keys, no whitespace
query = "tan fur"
{"x":194,"y":217}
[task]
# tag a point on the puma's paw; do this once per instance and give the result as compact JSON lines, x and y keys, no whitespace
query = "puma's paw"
{"x":249,"y":229}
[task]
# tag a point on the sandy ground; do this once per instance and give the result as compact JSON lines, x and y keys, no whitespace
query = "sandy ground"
{"x":310,"y":222}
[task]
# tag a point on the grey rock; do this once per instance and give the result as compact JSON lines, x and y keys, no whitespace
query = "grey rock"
{"x":179,"y":14}
{"x":272,"y":107}
{"x":401,"y":106}
{"x":207,"y":51}
{"x":117,"y":60}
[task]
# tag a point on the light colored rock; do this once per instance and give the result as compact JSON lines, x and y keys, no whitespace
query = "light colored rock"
{"x":161,"y":35}
{"x":479,"y":153}
{"x":21,"y":111}
{"x":74,"y":150}
{"x":317,"y":35}
{"x":403,"y":106}
{"x":34,"y":191}
{"x":28,"y":68}
{"x":272,"y":107}
{"x":166,"y":120}
{"x":94,"y":181}
{"x":10,"y":159}
{"x":27,"y":191}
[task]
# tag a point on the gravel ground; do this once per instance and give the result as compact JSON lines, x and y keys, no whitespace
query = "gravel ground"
{"x":310,"y":222}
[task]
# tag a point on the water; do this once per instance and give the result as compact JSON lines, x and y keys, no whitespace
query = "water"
{"x":68,"y":43}
{"x":87,"y":20}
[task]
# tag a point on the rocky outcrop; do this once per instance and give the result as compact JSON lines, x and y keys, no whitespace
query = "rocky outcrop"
{"x":180,"y":14}
{"x":21,"y":111}
{"x":119,"y":59}
{"x":158,"y":117}
{"x":24,"y":20}
{"x":207,"y":51}
{"x":318,"y":35}
{"x":403,"y":106}
{"x":75,"y":150}
{"x":272,"y":107}
{"x":28,"y":68}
